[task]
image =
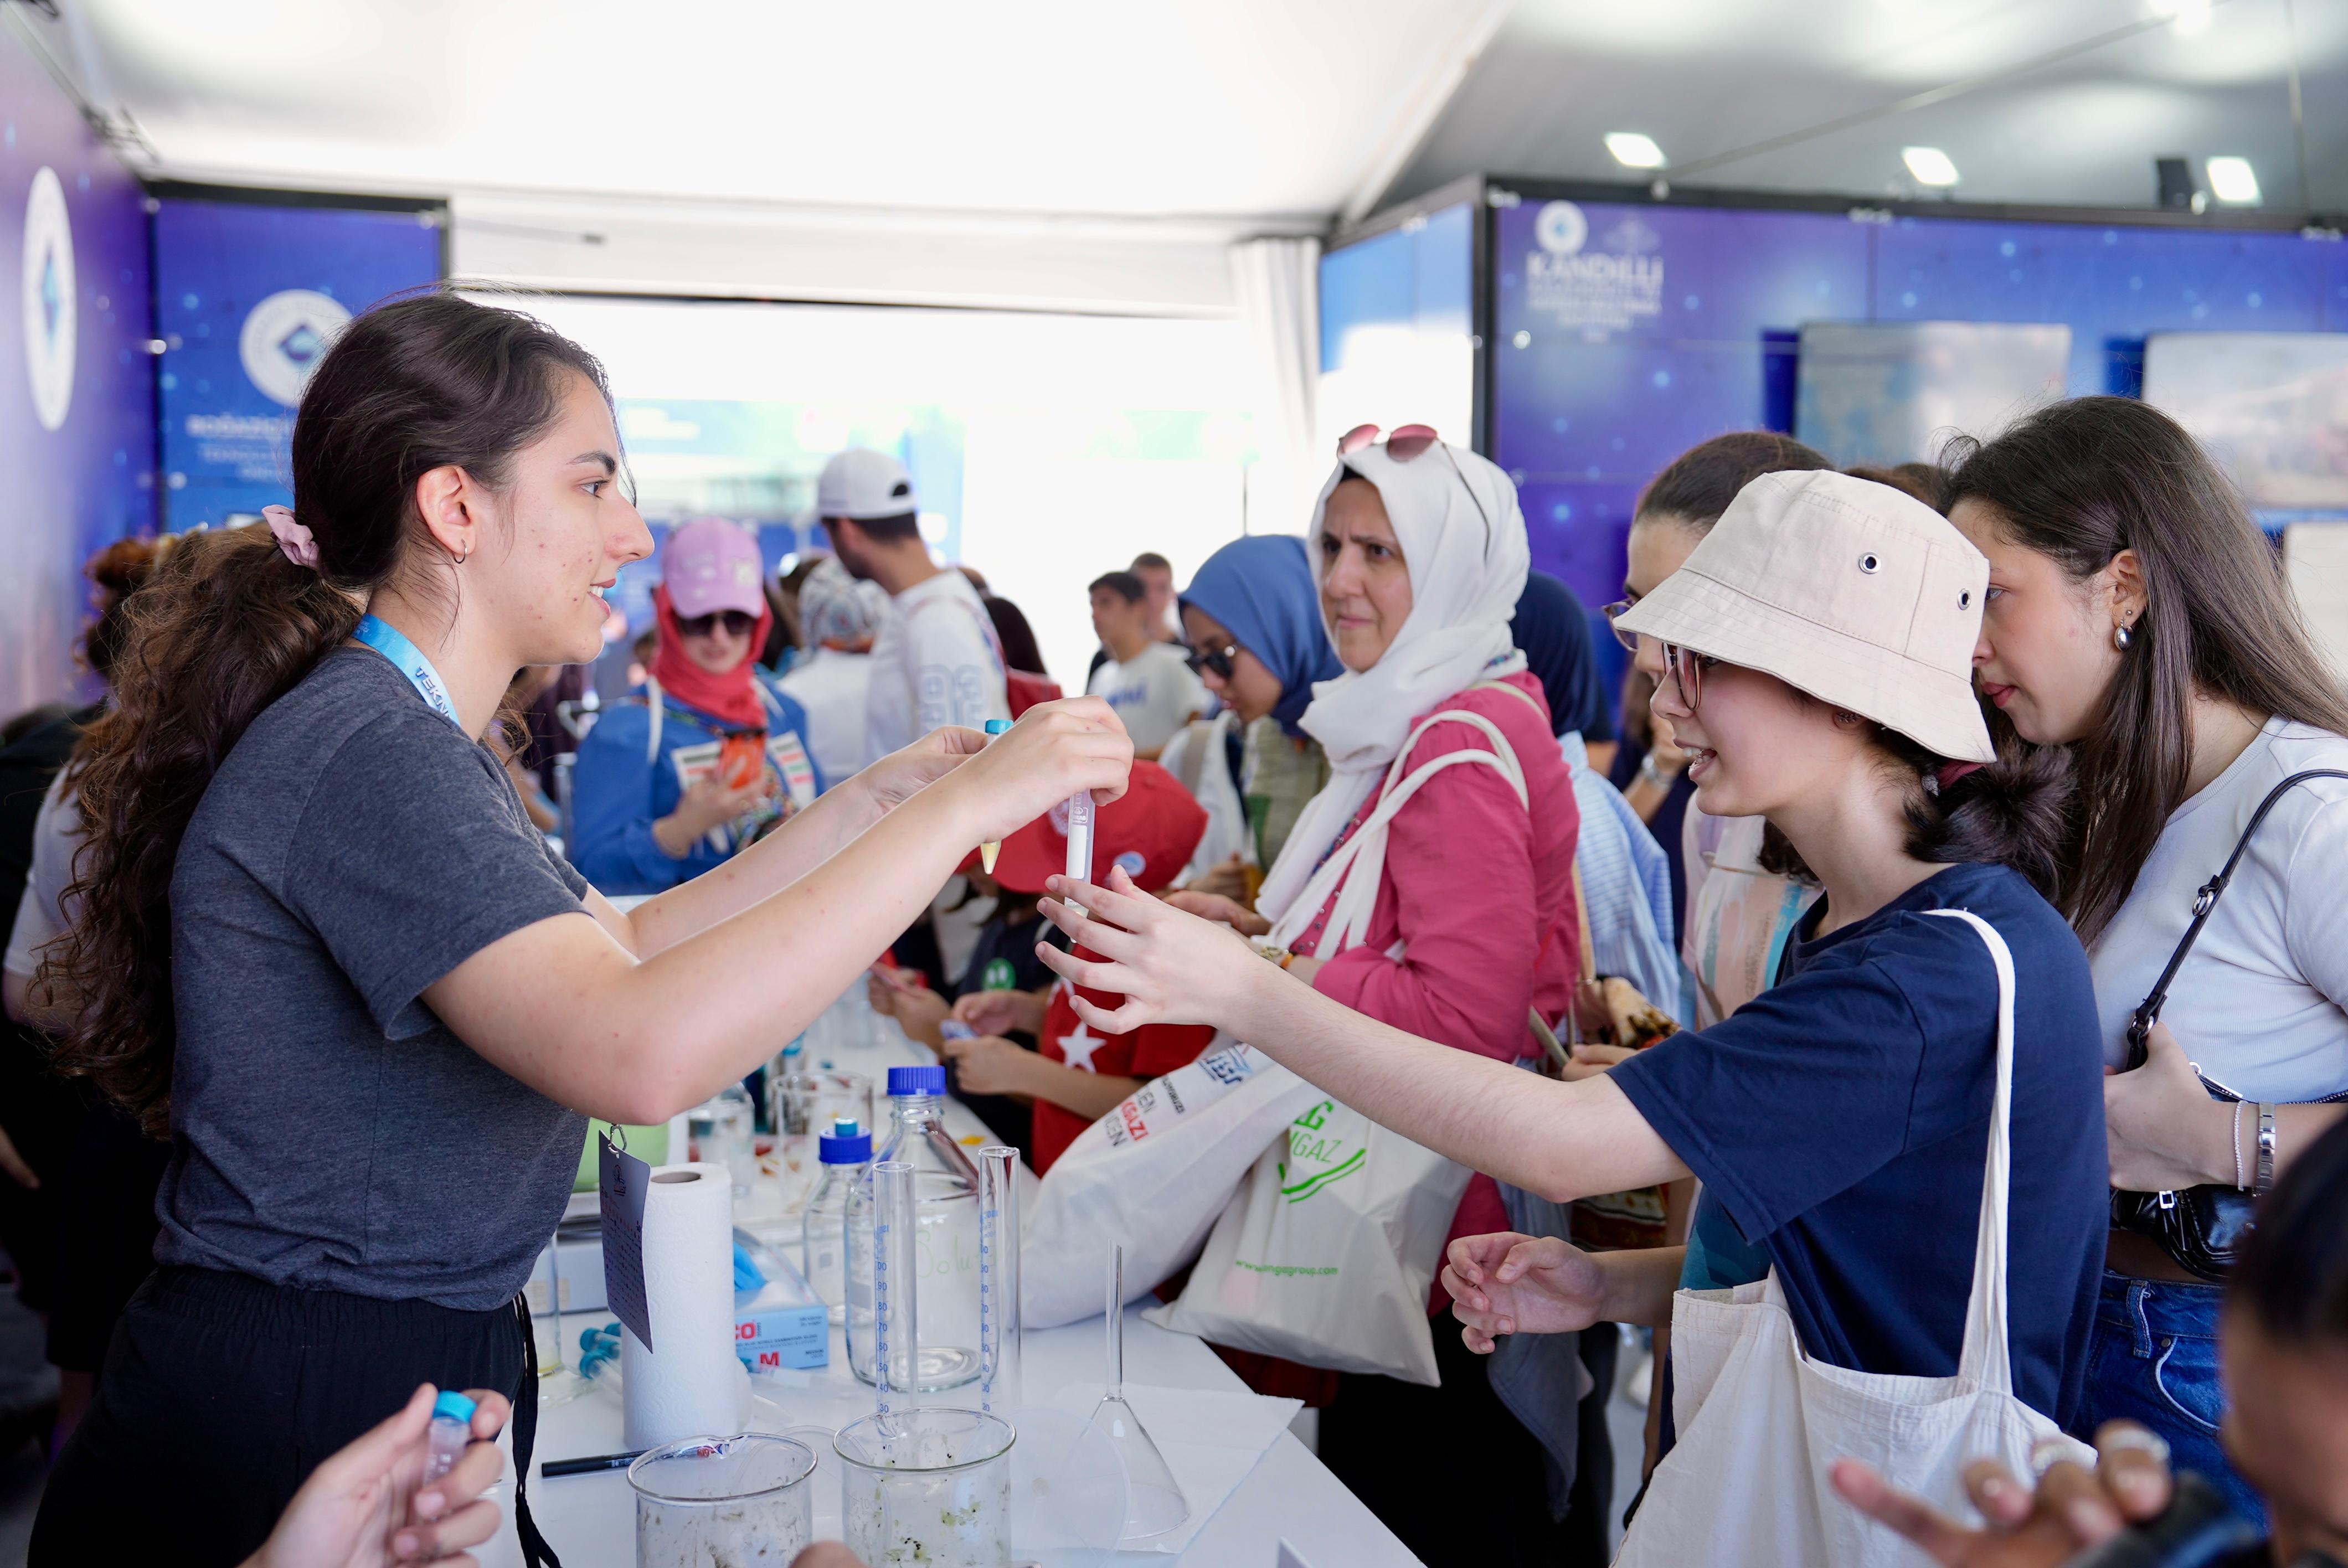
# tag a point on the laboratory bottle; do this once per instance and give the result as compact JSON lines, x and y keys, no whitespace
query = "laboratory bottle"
{"x":945,"y":1187}
{"x":846,"y":1156}
{"x":722,"y":1134}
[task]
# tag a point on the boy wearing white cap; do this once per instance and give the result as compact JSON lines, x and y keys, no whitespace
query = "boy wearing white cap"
{"x":936,"y":659}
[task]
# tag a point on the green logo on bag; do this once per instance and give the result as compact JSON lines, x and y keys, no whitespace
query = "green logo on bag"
{"x":1319,"y":1161}
{"x":998,"y":975}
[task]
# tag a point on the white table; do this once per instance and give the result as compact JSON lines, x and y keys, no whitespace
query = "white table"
{"x":1290,"y":1495}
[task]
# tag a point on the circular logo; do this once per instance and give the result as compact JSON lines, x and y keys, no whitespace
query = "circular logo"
{"x":286,"y":336}
{"x":50,"y":300}
{"x":1560,"y":227}
{"x":1132,"y":862}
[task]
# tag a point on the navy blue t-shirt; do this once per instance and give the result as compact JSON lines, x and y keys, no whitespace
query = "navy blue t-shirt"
{"x":1839,"y":1121}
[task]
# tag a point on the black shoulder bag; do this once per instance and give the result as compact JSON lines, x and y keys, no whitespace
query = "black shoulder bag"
{"x":2203,"y":1228}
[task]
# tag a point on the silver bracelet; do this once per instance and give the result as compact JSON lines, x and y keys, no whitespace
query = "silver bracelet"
{"x":2266,"y":1145}
{"x":2239,"y":1184}
{"x":1655,"y":775}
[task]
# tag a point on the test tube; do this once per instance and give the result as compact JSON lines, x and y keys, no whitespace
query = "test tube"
{"x":895,"y":1333}
{"x":1080,"y":840}
{"x":992,"y":846}
{"x":998,"y":1279}
{"x":451,"y":1429}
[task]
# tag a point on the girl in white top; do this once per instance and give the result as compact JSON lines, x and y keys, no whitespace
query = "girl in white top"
{"x":2138,"y":616}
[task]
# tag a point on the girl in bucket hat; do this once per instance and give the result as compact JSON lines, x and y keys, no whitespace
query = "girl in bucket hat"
{"x":1818,"y":647}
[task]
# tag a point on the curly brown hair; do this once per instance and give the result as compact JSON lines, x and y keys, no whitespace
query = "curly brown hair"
{"x":227,"y":624}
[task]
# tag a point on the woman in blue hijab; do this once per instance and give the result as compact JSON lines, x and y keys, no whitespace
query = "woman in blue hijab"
{"x":1252,"y":619}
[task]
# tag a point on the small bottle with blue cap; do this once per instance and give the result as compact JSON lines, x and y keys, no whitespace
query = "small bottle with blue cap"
{"x":844,"y":1156}
{"x":451,"y":1429}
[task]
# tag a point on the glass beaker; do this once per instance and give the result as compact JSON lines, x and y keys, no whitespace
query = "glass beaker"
{"x":743,"y":1499}
{"x":928,"y":1486}
{"x":721,"y":1132}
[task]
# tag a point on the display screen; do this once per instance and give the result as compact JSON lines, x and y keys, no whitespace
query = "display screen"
{"x":1894,"y":392}
{"x":2272,"y":406}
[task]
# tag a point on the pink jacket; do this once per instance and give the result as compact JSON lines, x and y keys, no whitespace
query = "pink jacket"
{"x":1480,"y":891}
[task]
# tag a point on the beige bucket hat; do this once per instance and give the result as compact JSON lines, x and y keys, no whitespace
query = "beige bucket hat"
{"x":1842,"y":587}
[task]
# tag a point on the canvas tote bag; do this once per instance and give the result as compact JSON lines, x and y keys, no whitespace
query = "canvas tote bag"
{"x":1760,"y":1422}
{"x":1327,"y":1253}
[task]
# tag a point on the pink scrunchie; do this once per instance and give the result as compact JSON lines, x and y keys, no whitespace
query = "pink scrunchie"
{"x":292,"y":537}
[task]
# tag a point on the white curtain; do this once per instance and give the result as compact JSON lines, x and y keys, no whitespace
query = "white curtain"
{"x":1276,"y":282}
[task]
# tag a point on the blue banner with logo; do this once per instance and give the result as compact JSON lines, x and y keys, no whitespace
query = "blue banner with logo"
{"x":77,"y":410}
{"x":247,"y":297}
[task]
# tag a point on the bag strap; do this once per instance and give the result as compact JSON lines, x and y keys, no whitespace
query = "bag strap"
{"x":660,"y":712}
{"x":2205,"y":903}
{"x":1988,"y":1356}
{"x":1369,"y":840}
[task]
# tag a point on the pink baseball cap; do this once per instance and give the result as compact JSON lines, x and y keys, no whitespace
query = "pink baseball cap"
{"x":710,"y":564}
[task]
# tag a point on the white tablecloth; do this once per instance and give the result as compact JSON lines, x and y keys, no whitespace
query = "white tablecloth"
{"x":1289,"y":1497}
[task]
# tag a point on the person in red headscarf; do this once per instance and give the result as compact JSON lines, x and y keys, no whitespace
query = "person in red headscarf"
{"x":709,"y":755}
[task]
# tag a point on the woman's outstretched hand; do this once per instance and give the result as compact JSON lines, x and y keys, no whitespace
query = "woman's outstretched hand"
{"x":1221,"y":910}
{"x":367,"y":1505}
{"x":1054,"y":751}
{"x":906,"y":772}
{"x":1508,"y":1283}
{"x":1171,"y":966}
{"x":2069,"y":1509}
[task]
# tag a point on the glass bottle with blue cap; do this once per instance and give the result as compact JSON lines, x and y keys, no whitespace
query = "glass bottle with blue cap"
{"x":945,"y":1188}
{"x":845,"y":1155}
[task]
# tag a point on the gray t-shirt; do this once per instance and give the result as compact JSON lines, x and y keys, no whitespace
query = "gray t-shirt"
{"x":327,"y":1131}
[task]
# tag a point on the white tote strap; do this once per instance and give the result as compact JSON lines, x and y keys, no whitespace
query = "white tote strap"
{"x":1988,"y":1354}
{"x":1366,"y":848}
{"x":660,"y":712}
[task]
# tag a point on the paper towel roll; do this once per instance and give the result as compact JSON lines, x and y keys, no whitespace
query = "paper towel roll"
{"x":687,"y":1388}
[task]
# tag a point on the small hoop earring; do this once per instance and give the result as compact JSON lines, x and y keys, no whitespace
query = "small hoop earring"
{"x":2121,"y":638}
{"x":468,"y":555}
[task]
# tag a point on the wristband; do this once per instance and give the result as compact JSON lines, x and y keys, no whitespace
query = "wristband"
{"x":1655,"y":775}
{"x":2266,"y":1146}
{"x":2240,"y":1185}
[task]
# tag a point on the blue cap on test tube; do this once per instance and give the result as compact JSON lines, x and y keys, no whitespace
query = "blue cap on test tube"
{"x":455,"y":1406}
{"x":997,"y":726}
{"x":917,"y":1081}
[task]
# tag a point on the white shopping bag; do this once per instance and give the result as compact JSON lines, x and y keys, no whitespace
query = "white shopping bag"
{"x":1326,"y":1256}
{"x":1152,"y":1175}
{"x":1760,"y":1422}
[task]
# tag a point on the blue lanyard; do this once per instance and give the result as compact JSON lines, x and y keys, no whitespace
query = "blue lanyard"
{"x":393,"y":644}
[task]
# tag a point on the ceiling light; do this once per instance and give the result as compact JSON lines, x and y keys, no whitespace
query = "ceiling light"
{"x":1930,"y":165}
{"x":2191,"y":16}
{"x":1633,"y":150}
{"x":2233,"y":179}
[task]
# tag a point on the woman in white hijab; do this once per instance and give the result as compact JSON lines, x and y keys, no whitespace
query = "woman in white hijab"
{"x":1429,"y":886}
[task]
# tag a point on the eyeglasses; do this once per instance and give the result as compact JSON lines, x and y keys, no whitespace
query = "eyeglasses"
{"x":737,"y":623}
{"x":1216,"y":661}
{"x":1686,"y":667}
{"x":1408,"y":443}
{"x":1614,"y":612}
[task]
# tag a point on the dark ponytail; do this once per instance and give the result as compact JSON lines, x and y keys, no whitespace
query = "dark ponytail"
{"x":2019,"y":811}
{"x":226,"y":625}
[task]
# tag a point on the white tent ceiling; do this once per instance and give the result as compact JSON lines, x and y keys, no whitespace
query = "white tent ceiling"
{"x":1073,"y":154}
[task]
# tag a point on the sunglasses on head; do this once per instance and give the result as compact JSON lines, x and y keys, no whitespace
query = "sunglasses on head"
{"x":1407,"y":444}
{"x":736,"y":622}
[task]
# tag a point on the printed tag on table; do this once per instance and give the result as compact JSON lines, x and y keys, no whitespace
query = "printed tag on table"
{"x":623,"y":1179}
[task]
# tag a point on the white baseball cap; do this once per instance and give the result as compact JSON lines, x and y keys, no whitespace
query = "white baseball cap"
{"x":1848,"y":589}
{"x":861,"y":484}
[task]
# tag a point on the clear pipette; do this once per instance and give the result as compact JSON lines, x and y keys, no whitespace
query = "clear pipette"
{"x":992,"y":846}
{"x":895,"y":1313}
{"x":998,"y":1279}
{"x":1080,"y":840}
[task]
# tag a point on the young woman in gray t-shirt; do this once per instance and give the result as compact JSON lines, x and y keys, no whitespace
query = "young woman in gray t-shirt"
{"x":321,"y":948}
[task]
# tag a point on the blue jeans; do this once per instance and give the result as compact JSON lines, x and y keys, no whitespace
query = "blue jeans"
{"x":2152,"y":1358}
